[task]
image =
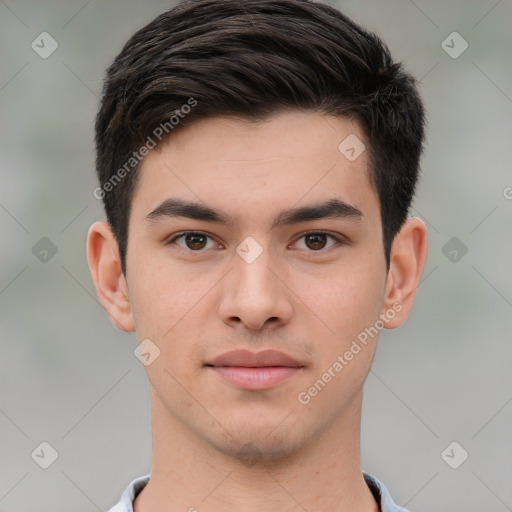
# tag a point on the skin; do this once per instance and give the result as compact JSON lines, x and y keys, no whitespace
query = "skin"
{"x":216,"y":446}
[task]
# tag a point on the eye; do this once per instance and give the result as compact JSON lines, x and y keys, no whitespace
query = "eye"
{"x":193,"y":240}
{"x":316,"y":241}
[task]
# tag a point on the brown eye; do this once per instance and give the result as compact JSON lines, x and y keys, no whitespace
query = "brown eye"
{"x":316,"y":241}
{"x":195,"y":241}
{"x":192,"y":241}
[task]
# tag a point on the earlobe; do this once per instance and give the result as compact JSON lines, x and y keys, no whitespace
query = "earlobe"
{"x":407,"y":259}
{"x":110,"y":283}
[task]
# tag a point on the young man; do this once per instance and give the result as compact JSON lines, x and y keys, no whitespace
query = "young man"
{"x":257,"y":159}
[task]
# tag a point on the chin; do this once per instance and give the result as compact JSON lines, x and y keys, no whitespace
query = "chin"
{"x":256,"y":448}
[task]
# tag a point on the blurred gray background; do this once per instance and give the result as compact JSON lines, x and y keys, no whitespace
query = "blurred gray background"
{"x":70,"y":379}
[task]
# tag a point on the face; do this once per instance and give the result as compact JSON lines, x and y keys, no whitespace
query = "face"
{"x":282,"y":252}
{"x":257,"y":237}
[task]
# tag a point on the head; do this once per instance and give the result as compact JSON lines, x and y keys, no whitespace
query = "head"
{"x":276,"y":118}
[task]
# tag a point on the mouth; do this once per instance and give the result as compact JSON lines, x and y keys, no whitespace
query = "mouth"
{"x":255,"y":371}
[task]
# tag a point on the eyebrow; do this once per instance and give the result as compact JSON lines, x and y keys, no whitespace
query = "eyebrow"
{"x":332,"y":209}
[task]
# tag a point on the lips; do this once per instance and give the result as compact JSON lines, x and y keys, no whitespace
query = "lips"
{"x":258,"y":371}
{"x":247,"y":359}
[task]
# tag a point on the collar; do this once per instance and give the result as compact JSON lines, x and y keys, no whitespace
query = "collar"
{"x":379,"y":491}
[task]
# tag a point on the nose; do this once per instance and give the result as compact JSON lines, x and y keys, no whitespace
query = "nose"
{"x":255,"y":293}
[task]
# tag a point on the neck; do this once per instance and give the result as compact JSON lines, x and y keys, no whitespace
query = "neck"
{"x":189,"y":473}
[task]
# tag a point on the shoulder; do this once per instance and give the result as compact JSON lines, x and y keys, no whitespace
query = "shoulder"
{"x":125,"y":504}
{"x":381,"y":495}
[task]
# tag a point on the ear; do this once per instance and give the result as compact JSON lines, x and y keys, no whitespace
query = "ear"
{"x":407,"y":259}
{"x":110,"y":283}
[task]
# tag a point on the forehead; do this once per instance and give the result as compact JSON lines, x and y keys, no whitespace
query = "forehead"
{"x":288,"y":159}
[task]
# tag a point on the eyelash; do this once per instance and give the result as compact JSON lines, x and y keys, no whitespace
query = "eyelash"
{"x":337,"y":239}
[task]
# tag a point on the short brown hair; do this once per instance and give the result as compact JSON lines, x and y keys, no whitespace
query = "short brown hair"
{"x":252,"y":59}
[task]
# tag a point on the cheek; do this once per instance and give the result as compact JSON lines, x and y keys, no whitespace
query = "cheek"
{"x":347,"y":299}
{"x":171,"y":309}
{"x":159,"y":298}
{"x":349,"y":306}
